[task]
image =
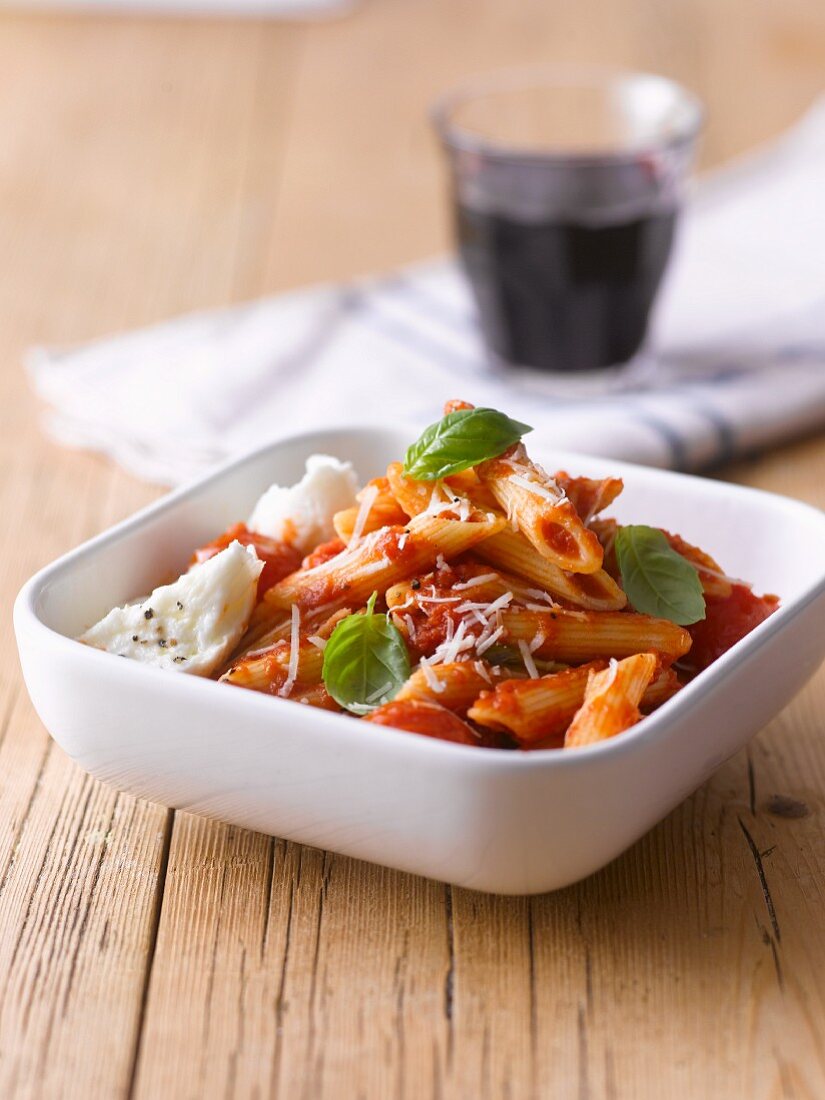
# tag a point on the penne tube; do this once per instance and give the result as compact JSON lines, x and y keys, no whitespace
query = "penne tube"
{"x":540,"y":509}
{"x":269,"y":671}
{"x":662,"y":687}
{"x":455,"y":686}
{"x":588,"y":495}
{"x":536,"y":713}
{"x":377,"y":508}
{"x":378,"y":561}
{"x":611,"y":701}
{"x":267,"y":667}
{"x":714,"y":581}
{"x":413,"y":496}
{"x":509,"y":550}
{"x":577,"y":636}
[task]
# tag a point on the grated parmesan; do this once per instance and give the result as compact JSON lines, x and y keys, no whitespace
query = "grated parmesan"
{"x":540,"y":594}
{"x":410,"y":625}
{"x":527,"y":657}
{"x":367,"y":501}
{"x":538,"y":489}
{"x":374,"y":696}
{"x":433,"y":682}
{"x":483,"y":579}
{"x":483,"y":646}
{"x":294,"y":653}
{"x":481,"y":669}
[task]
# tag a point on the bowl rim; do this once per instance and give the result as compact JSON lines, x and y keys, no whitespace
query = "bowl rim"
{"x":28,"y":623}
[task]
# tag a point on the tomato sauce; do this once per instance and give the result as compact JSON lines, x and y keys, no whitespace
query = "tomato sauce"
{"x":559,"y":540}
{"x":279,"y":558}
{"x":429,"y":719}
{"x":727,"y":621}
{"x":323,"y":553}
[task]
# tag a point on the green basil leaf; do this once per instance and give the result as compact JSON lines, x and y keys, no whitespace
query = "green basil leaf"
{"x":459,"y":440}
{"x":365,"y":661}
{"x":657,"y":580}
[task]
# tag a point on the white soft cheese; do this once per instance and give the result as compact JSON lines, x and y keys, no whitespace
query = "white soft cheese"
{"x":302,"y":514}
{"x":189,"y":626}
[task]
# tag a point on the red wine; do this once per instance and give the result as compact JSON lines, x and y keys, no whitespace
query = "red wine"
{"x":564,"y":296}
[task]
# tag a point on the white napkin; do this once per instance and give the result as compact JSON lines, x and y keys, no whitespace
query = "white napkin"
{"x":739,"y":365}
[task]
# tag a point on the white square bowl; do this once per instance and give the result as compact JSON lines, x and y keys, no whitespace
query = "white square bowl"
{"x":506,"y":822}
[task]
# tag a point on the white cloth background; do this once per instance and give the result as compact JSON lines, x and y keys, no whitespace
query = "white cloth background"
{"x":739,"y":339}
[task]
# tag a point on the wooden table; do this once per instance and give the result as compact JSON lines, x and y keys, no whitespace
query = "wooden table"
{"x":150,"y":167}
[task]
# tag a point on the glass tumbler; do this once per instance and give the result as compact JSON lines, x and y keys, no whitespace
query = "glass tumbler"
{"x":567,"y":184}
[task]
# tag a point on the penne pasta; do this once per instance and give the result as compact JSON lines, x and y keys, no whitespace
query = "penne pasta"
{"x":455,"y":686}
{"x":536,"y":713}
{"x":509,"y":550}
{"x":269,"y":671}
{"x":266,"y":667}
{"x":381,"y":559}
{"x":577,"y":636}
{"x":588,"y":495}
{"x":377,"y":508}
{"x":714,"y":581}
{"x":611,"y":701}
{"x":541,"y":511}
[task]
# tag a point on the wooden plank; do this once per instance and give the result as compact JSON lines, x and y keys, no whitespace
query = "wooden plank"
{"x":299,"y":971}
{"x":121,"y":142}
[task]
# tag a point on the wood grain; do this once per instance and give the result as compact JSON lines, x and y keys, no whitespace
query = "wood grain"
{"x":149,"y":167}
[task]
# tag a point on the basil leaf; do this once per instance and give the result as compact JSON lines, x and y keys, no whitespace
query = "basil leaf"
{"x":657,"y":580}
{"x":459,"y":440}
{"x":365,"y":661}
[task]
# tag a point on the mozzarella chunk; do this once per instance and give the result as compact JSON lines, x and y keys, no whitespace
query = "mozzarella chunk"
{"x":189,"y":626}
{"x":302,"y":514}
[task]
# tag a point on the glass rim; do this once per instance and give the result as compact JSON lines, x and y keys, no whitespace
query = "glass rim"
{"x":523,"y":77}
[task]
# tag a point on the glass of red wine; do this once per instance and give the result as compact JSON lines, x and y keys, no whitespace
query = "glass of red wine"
{"x":567,"y":186}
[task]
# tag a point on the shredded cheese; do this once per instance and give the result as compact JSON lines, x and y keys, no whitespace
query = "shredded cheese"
{"x":537,"y":489}
{"x":481,"y":669}
{"x":483,"y":646}
{"x":375,"y":695}
{"x":540,"y":594}
{"x":367,"y":500}
{"x":527,"y":657}
{"x":294,"y":653}
{"x":410,"y":625}
{"x":317,"y":641}
{"x":485,"y":578}
{"x":433,"y":682}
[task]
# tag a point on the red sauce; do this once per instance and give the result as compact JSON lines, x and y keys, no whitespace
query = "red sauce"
{"x":429,"y":719}
{"x":325,"y":552}
{"x":431,"y":626}
{"x":279,"y":558}
{"x":727,"y":620}
{"x":558,"y":539}
{"x":396,"y":544}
